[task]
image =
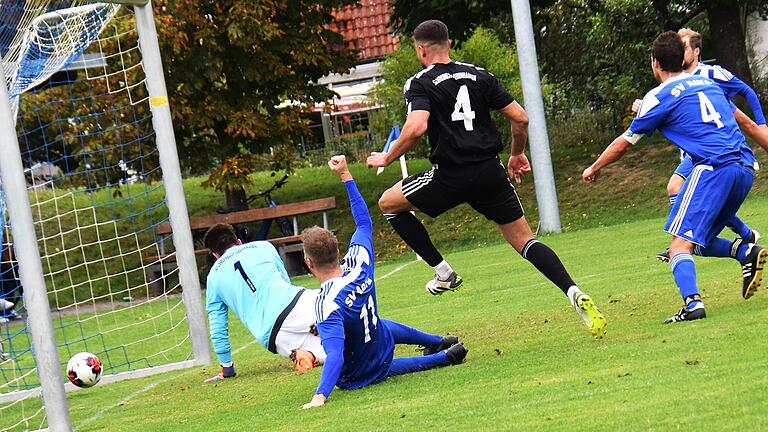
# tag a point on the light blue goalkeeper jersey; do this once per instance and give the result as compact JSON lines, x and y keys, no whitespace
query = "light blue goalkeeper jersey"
{"x":251,"y":280}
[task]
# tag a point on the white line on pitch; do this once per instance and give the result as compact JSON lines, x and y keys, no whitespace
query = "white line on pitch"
{"x":123,"y":401}
{"x":396,"y":270}
{"x":139,"y":392}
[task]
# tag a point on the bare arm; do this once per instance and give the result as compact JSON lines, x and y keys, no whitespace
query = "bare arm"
{"x":518,"y":163}
{"x":518,"y":120}
{"x":415,"y":126}
{"x":611,"y":154}
{"x":758,"y":133}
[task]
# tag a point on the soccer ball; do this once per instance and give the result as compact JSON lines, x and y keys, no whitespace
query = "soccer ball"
{"x":84,"y":369}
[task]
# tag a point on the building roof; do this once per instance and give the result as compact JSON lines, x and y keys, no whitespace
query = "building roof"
{"x":366,"y":28}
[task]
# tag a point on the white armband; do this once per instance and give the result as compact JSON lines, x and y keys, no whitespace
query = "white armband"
{"x":632,"y":137}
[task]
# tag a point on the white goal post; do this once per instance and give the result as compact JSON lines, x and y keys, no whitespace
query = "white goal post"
{"x":75,"y":259}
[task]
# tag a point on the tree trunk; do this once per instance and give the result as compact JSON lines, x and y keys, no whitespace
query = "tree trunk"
{"x":728,"y":38}
{"x":236,"y":199}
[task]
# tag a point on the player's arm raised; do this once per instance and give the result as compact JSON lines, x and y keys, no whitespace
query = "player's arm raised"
{"x":518,"y":163}
{"x":364,"y":225}
{"x":415,"y":126}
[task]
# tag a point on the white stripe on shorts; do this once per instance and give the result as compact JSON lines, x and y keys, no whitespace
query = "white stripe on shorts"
{"x":674,"y":227}
{"x":419,"y":182}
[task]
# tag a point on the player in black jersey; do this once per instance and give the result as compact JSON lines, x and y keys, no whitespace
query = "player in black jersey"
{"x":452,"y":101}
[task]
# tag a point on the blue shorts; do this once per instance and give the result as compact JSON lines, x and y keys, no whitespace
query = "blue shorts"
{"x":685,"y":167}
{"x":708,"y":199}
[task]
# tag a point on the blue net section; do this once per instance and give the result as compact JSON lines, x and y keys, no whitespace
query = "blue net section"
{"x":55,"y":40}
{"x":94,"y":184}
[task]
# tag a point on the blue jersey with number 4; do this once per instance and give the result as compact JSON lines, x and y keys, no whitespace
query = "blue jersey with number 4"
{"x":359,"y":349}
{"x":693,"y":113}
{"x":732,"y":86}
{"x":251,"y":280}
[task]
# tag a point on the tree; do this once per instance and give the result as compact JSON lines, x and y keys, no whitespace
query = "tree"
{"x":595,"y":51}
{"x":461,"y":16}
{"x":239,"y":75}
{"x":725,"y":25}
{"x":83,"y":125}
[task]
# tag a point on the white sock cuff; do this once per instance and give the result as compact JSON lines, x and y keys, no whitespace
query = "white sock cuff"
{"x":573,"y":291}
{"x":443,"y":269}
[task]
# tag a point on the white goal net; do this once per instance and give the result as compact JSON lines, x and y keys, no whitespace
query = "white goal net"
{"x":77,"y":84}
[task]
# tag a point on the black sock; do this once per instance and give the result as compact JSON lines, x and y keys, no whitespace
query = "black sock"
{"x":548,"y":263}
{"x":412,"y":231}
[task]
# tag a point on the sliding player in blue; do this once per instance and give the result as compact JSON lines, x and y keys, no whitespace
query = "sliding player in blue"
{"x":693,"y":112}
{"x":359,"y":345}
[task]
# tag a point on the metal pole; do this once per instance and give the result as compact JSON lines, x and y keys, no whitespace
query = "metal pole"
{"x":174,"y":190}
{"x":31,"y":270}
{"x":543,"y":176}
{"x":325,"y":120}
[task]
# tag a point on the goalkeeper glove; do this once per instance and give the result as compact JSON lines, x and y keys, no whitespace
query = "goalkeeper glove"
{"x":227,"y":371}
{"x":303,"y":360}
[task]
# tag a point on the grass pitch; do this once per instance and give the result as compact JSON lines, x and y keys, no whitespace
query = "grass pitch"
{"x":532,"y":364}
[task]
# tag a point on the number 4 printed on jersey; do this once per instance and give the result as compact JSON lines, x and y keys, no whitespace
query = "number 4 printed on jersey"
{"x":463,"y":109}
{"x":708,"y":112}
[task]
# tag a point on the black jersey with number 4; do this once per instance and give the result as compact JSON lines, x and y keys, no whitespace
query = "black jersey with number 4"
{"x":459,"y":97}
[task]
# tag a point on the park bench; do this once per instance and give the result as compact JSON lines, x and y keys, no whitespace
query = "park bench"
{"x":289,"y":247}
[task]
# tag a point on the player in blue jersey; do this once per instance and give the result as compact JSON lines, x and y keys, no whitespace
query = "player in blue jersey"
{"x":693,"y":112}
{"x":757,"y":130}
{"x":358,"y":342}
{"x":251,"y":280}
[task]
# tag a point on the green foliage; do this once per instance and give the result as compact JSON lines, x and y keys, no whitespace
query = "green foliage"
{"x":232,"y":65}
{"x":593,"y":52}
{"x":483,"y":48}
{"x":461,"y":16}
{"x":594,"y":63}
{"x":396,"y":69}
{"x":84,"y":125}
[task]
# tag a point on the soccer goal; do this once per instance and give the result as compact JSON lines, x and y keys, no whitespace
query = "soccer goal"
{"x":89,"y":170}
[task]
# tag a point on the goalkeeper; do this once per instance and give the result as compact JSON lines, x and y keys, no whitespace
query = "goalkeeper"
{"x":251,"y":280}
{"x":360,"y":344}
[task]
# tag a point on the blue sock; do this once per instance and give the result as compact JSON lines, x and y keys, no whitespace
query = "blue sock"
{"x":404,"y":365}
{"x":739,"y":227}
{"x":684,"y":272}
{"x":719,"y":247}
{"x":411,"y":336}
{"x":672,"y":199}
{"x":741,"y":250}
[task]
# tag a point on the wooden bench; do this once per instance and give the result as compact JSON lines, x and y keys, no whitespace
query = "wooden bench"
{"x":289,"y":247}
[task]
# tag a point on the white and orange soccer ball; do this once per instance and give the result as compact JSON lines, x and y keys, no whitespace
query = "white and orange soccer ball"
{"x":84,"y":369}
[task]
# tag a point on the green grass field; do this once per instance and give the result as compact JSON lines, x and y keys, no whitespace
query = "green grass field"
{"x":532,"y":364}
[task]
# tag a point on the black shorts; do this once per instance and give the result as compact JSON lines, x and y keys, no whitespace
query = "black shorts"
{"x":485,"y":186}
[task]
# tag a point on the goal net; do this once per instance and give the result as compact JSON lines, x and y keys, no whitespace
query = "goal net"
{"x":76,"y":82}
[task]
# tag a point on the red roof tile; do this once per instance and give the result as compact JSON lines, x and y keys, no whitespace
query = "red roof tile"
{"x":366,"y":28}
